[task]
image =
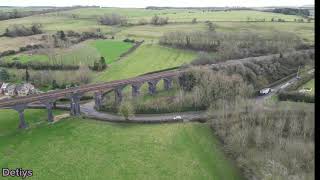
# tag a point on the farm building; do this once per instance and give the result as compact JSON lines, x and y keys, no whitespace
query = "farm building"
{"x":17,"y":90}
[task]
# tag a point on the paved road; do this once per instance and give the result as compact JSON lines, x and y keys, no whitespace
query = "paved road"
{"x":277,"y":88}
{"x":87,"y":109}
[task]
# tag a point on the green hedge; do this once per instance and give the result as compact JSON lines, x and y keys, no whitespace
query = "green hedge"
{"x":296,"y":96}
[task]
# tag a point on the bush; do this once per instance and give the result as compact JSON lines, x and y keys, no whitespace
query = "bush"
{"x":142,"y":22}
{"x":21,"y":30}
{"x":129,"y":40}
{"x":296,"y":96}
{"x":126,"y":109}
{"x":156,"y":20}
{"x":113,"y":19}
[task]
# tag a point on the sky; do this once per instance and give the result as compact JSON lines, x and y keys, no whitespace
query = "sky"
{"x":171,"y":3}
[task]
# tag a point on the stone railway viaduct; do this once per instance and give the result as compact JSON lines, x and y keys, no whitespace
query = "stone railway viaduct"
{"x":74,"y":94}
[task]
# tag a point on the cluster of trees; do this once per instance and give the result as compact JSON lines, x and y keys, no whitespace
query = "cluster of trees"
{"x":37,"y":65}
{"x":203,"y":88}
{"x":19,"y":14}
{"x":262,"y":71}
{"x":21,"y":49}
{"x":157,"y":20}
{"x":65,"y":39}
{"x":113,"y":19}
{"x":21,"y":30}
{"x":45,"y":78}
{"x":277,"y":20}
{"x":276,"y":142}
{"x":292,"y":11}
{"x":206,"y":41}
{"x":99,"y":65}
{"x":229,"y":45}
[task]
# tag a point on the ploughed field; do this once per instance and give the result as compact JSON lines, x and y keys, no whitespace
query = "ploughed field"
{"x":75,"y":148}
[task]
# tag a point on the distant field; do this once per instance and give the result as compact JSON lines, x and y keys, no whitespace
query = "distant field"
{"x":149,"y":32}
{"x":81,"y":149}
{"x":182,"y":15}
{"x":84,"y":53}
{"x":147,"y":58}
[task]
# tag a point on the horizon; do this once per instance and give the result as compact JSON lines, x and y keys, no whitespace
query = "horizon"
{"x":159,"y":3}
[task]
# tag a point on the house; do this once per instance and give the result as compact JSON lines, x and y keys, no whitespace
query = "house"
{"x":10,"y":90}
{"x":25,"y":89}
{"x":3,"y":87}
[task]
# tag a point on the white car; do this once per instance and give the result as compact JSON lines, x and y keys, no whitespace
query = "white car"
{"x":265,"y":91}
{"x":177,"y":118}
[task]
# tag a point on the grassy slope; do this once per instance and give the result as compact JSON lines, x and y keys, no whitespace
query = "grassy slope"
{"x":111,"y":51}
{"x":86,"y":53}
{"x":82,"y":149}
{"x":146,"y":58}
{"x":9,"y":120}
{"x":309,"y":84}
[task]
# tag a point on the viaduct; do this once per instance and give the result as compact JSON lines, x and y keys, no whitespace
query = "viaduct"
{"x":74,"y":94}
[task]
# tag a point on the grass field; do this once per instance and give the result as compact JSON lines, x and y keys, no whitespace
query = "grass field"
{"x":9,"y":120}
{"x":147,"y":58}
{"x":111,"y":50}
{"x":181,"y":15}
{"x":87,"y":149}
{"x":309,"y":84}
{"x":84,"y":53}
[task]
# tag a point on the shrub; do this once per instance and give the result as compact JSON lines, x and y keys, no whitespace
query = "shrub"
{"x":126,"y":109}
{"x":296,"y":96}
{"x":21,"y":30}
{"x":156,"y":20}
{"x":142,"y":22}
{"x":129,"y":40}
{"x":113,"y":19}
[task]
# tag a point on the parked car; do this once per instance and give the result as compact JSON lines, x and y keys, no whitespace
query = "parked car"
{"x":177,"y":118}
{"x":265,"y":91}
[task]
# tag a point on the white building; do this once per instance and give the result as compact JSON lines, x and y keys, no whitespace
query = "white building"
{"x":3,"y":87}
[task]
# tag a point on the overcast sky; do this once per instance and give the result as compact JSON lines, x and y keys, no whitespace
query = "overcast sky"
{"x":144,"y":3}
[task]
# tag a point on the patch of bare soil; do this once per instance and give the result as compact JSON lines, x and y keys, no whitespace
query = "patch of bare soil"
{"x":59,"y":117}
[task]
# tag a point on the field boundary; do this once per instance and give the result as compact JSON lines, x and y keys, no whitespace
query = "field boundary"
{"x":131,"y":50}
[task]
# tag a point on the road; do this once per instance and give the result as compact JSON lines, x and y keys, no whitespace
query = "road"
{"x":277,"y":88}
{"x":88,"y":110}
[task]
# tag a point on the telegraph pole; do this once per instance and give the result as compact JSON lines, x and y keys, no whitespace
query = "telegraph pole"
{"x":298,"y":72}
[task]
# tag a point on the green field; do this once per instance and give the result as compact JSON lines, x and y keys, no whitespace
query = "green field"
{"x":147,"y":58}
{"x":87,"y":149}
{"x":84,"y":53}
{"x":181,"y":15}
{"x":309,"y":84}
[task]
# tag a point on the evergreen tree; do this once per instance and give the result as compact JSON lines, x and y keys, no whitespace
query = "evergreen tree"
{"x":27,"y":75}
{"x":4,"y":75}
